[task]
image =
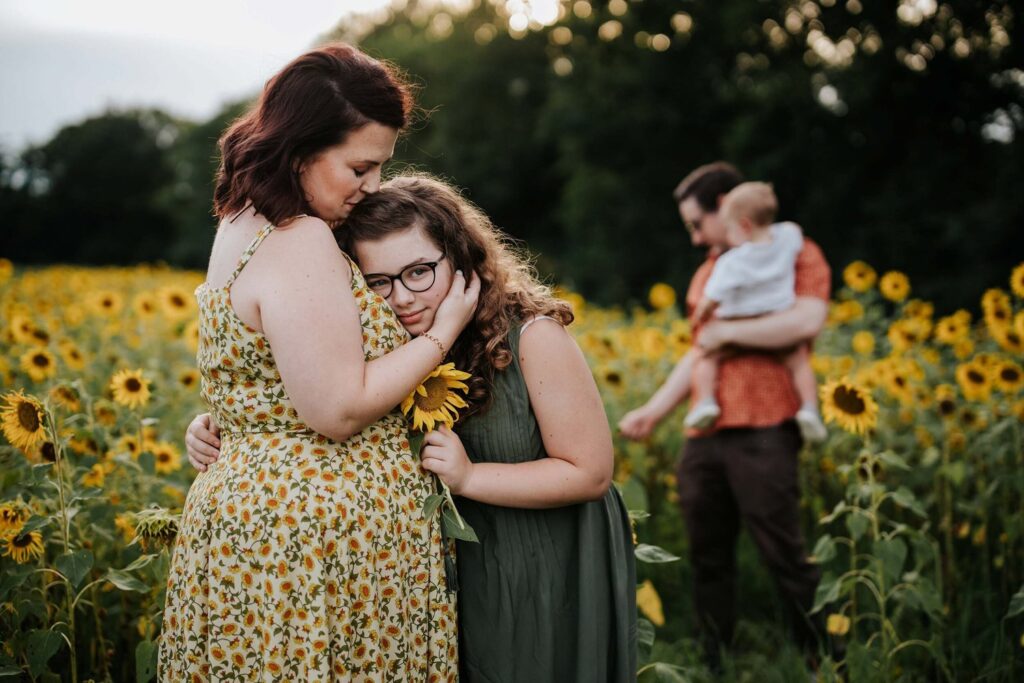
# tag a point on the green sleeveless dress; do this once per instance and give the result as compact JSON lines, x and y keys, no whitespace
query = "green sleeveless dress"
{"x":546,"y":595}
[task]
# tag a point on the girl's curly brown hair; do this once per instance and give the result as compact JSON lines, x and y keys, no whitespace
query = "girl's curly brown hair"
{"x":509,"y":289}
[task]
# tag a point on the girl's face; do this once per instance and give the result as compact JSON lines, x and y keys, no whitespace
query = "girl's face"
{"x":341,"y":176}
{"x":409,"y":254}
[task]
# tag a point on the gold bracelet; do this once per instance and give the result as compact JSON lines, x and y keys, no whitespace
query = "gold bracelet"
{"x":436,"y":341}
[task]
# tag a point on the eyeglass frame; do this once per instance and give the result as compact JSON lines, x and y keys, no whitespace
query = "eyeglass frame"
{"x":391,"y":278}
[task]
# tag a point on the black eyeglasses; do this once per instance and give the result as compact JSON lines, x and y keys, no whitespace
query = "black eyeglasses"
{"x":419,"y":277}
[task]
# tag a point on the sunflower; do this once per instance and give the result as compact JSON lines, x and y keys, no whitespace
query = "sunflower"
{"x":156,"y":527}
{"x":105,"y":303}
{"x":894,"y":286}
{"x":168,"y":459}
{"x":945,"y":400}
{"x":1008,"y":339}
{"x":849,"y":405}
{"x":838,"y":624}
{"x":65,"y":397}
{"x":1008,"y":377}
{"x":845,"y":311}
{"x":25,"y":548}
{"x":95,"y":476}
{"x":23,"y":420}
{"x":906,"y":333}
{"x":963,"y":348}
{"x":130,"y":388}
{"x":6,"y":270}
{"x":21,"y":328}
{"x":974,"y":381}
{"x":177,"y":302}
{"x":953,"y":328}
{"x":145,"y":305}
{"x":1016,"y":280}
{"x":72,"y":357}
{"x":13,"y":516}
{"x":649,"y":603}
{"x":190,"y":334}
{"x":859,"y":276}
{"x":915,"y":308}
{"x":125,"y":525}
{"x":127,"y":444}
{"x":104,"y":413}
{"x":189,"y":378}
{"x":39,"y":364}
{"x":997,"y":307}
{"x":661,"y":296}
{"x":434,"y":401}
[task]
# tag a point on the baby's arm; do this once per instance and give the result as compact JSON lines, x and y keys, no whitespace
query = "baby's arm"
{"x":704,"y":310}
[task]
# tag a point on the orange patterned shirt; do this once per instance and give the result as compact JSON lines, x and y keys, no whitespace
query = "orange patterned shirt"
{"x":754,"y":388}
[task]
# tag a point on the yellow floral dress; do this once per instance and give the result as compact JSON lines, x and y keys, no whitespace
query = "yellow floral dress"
{"x":300,"y":558}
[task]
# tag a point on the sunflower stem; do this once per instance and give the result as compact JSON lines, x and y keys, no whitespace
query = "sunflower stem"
{"x":451,"y":504}
{"x":58,"y":457}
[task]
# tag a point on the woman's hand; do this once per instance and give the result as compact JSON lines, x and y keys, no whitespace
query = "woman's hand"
{"x":201,"y":442}
{"x":457,"y":309}
{"x":444,"y":455}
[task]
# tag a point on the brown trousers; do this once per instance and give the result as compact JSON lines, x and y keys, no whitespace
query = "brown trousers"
{"x":748,"y":475}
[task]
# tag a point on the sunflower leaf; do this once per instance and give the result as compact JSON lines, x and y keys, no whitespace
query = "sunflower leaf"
{"x":431,"y":504}
{"x":652,"y":554}
{"x":35,"y":523}
{"x":74,"y":566}
{"x":463,"y":532}
{"x":41,"y":646}
{"x":145,"y":661}
{"x":126,"y":582}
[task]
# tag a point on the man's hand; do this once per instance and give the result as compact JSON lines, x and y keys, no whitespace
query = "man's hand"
{"x":638,"y":424}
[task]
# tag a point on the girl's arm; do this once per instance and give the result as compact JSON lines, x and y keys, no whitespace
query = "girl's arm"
{"x":573,"y":425}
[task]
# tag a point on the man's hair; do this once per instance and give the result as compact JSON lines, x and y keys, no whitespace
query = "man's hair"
{"x":707,"y":183}
{"x":754,"y":201}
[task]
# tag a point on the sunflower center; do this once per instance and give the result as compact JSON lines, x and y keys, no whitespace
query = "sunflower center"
{"x":40,"y":361}
{"x":177,"y":301}
{"x":133,"y":385}
{"x":437,"y":392}
{"x":975,"y":377}
{"x":849,"y":400}
{"x":1009,"y":374}
{"x":28,"y":416}
{"x":163,"y":456}
{"x":946,"y":407}
{"x":23,"y":541}
{"x":49,"y":452}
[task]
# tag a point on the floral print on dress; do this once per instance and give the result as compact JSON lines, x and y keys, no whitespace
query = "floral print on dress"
{"x":300,"y":558}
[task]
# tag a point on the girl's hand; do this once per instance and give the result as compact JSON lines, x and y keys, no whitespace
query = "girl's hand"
{"x":444,"y":455}
{"x":457,"y":309}
{"x":201,"y":442}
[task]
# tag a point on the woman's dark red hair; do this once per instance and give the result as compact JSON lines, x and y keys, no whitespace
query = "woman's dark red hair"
{"x":312,"y":104}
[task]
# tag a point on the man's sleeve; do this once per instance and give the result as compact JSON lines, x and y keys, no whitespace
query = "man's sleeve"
{"x":813,"y":275}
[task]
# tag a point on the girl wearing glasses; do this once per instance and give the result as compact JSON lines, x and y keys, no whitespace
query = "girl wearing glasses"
{"x":548,"y":594}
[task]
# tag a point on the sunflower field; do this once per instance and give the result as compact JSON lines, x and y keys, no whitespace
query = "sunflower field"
{"x":914,"y":506}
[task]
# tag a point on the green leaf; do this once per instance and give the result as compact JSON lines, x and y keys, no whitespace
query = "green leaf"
{"x":13,"y":578}
{"x":906,"y":499}
{"x":638,"y":515}
{"x":452,"y":528}
{"x":35,"y":523}
{"x":894,"y":461}
{"x":955,"y":472}
{"x":126,"y":582}
{"x":893,"y":553}
{"x":838,"y":510}
{"x":660,"y":672}
{"x":857,"y":524}
{"x":145,"y":661}
{"x":644,"y":632}
{"x":824,"y":550}
{"x":653,"y":554}
{"x":75,"y":565}
{"x":40,"y":647}
{"x":1016,"y":603}
{"x":140,"y":562}
{"x":10,"y":670}
{"x":147,"y":461}
{"x":634,"y":495}
{"x":828,"y":592}
{"x":431,"y":504}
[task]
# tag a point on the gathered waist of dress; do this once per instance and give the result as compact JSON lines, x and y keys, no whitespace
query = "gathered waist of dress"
{"x":231,"y":431}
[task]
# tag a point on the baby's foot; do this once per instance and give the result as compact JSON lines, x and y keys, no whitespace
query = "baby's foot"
{"x":702,"y":415}
{"x":811,"y":427}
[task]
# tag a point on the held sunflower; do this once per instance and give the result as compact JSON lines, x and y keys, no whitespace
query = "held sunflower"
{"x":849,"y":405}
{"x":23,"y":420}
{"x":130,"y":388}
{"x":434,"y":402}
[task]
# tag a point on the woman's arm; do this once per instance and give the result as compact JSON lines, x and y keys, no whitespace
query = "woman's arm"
{"x":573,"y":425}
{"x":311,"y":320}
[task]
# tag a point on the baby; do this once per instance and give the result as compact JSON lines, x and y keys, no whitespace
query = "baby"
{"x":753,"y":278}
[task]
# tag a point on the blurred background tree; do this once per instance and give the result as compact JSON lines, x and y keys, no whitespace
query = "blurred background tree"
{"x":891,"y":130}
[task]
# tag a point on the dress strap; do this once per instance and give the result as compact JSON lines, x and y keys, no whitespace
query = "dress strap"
{"x":531,"y":321}
{"x":249,"y":251}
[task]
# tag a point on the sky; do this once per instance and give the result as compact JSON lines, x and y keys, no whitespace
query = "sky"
{"x":64,"y":60}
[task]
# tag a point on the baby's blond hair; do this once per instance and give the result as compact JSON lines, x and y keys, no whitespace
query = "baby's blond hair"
{"x":754,"y":201}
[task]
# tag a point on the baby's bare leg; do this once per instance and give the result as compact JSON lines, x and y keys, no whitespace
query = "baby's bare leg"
{"x":799,"y":364}
{"x":705,"y":374}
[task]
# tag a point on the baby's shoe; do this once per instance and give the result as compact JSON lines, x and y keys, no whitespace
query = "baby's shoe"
{"x":811,"y":427}
{"x":702,"y":415}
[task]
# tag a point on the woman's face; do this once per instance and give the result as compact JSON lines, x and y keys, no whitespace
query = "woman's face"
{"x":407,"y":253}
{"x":341,"y":176}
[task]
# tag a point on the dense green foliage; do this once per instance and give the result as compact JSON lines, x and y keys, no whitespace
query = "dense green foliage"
{"x":889,"y":135}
